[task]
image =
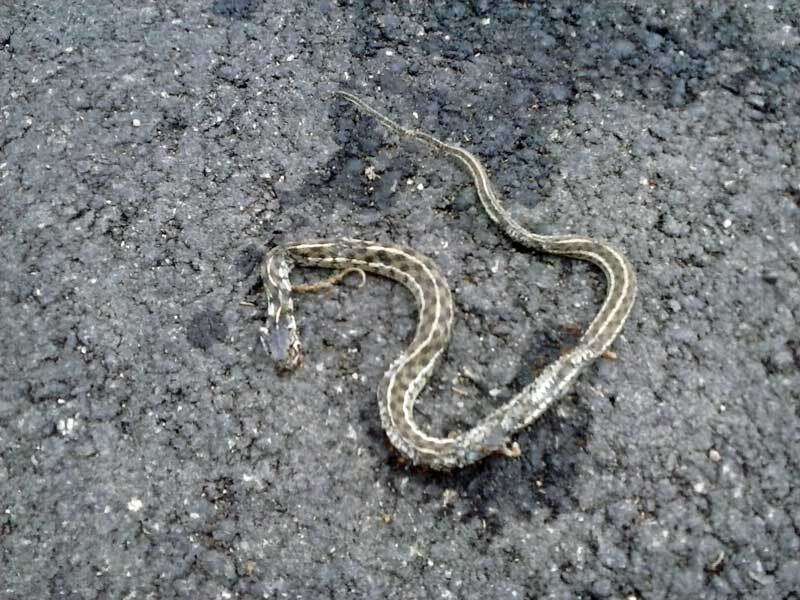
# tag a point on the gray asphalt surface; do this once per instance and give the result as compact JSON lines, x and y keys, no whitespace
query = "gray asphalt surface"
{"x":148,"y":155}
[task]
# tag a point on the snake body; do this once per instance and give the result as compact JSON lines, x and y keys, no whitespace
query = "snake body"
{"x":409,"y":373}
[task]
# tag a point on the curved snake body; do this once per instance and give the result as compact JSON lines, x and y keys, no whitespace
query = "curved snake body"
{"x":409,"y":373}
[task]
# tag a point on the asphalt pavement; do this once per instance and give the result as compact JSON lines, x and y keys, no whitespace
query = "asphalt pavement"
{"x":149,"y":154}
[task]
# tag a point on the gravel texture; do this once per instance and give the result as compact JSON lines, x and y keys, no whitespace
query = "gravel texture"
{"x":148,"y":448}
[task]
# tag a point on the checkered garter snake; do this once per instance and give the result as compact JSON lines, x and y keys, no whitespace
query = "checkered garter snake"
{"x":409,"y":373}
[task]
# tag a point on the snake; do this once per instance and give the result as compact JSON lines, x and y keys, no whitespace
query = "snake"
{"x":408,"y":373}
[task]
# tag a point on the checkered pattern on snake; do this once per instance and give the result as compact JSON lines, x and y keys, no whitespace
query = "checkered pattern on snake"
{"x":409,"y":373}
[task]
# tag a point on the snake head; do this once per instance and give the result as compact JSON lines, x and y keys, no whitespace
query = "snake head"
{"x":281,"y":343}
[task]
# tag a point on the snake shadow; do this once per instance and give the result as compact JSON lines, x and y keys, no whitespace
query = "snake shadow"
{"x":497,"y":489}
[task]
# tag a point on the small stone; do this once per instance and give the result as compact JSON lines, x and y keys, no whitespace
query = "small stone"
{"x":370,"y":173}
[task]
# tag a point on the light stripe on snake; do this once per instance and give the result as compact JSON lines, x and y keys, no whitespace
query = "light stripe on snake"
{"x":409,"y":373}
